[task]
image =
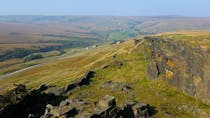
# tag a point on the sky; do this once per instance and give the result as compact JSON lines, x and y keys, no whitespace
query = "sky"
{"x":197,"y":8}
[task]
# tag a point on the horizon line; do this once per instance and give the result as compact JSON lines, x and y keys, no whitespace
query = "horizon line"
{"x":100,"y":15}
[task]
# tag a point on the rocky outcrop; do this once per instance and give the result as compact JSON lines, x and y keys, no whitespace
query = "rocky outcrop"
{"x":23,"y":103}
{"x":67,"y":108}
{"x":106,"y":108}
{"x":182,"y":66}
{"x":12,"y":97}
{"x":59,"y":91}
{"x":53,"y":102}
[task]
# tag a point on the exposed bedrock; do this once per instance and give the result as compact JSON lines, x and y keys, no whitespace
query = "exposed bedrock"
{"x":105,"y":108}
{"x":23,"y":103}
{"x":182,"y":66}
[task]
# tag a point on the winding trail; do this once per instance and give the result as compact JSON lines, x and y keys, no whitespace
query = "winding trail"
{"x":34,"y":66}
{"x":18,"y":71}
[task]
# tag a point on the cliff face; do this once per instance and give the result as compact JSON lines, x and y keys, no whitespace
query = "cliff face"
{"x":182,"y":64}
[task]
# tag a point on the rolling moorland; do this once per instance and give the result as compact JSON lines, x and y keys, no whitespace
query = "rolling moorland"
{"x":22,"y":36}
{"x":162,"y":75}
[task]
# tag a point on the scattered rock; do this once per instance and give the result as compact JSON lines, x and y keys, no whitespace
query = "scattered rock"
{"x":116,"y":86}
{"x":107,"y":101}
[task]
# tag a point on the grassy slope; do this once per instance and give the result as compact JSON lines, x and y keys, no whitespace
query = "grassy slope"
{"x":61,"y":72}
{"x":192,"y":38}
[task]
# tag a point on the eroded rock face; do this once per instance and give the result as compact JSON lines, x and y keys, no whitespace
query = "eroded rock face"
{"x":180,"y":65}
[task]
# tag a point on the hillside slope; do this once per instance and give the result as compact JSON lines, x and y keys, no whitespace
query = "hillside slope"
{"x":122,"y":71}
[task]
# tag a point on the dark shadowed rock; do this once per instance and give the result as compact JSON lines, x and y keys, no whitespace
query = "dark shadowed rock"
{"x":21,"y":103}
{"x":43,"y":87}
{"x":20,"y":88}
{"x":138,"y":110}
{"x":71,"y":87}
{"x":86,"y":80}
{"x":127,"y":111}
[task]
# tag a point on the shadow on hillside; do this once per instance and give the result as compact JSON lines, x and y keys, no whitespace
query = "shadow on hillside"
{"x":33,"y":103}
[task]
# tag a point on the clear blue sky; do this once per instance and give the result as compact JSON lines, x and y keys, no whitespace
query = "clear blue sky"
{"x":106,"y":7}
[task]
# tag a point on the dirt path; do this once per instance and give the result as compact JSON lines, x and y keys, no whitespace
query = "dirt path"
{"x":18,"y":71}
{"x":27,"y":68}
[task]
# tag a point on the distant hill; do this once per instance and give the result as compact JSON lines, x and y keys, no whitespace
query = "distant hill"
{"x":140,"y":24}
{"x":33,"y":32}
